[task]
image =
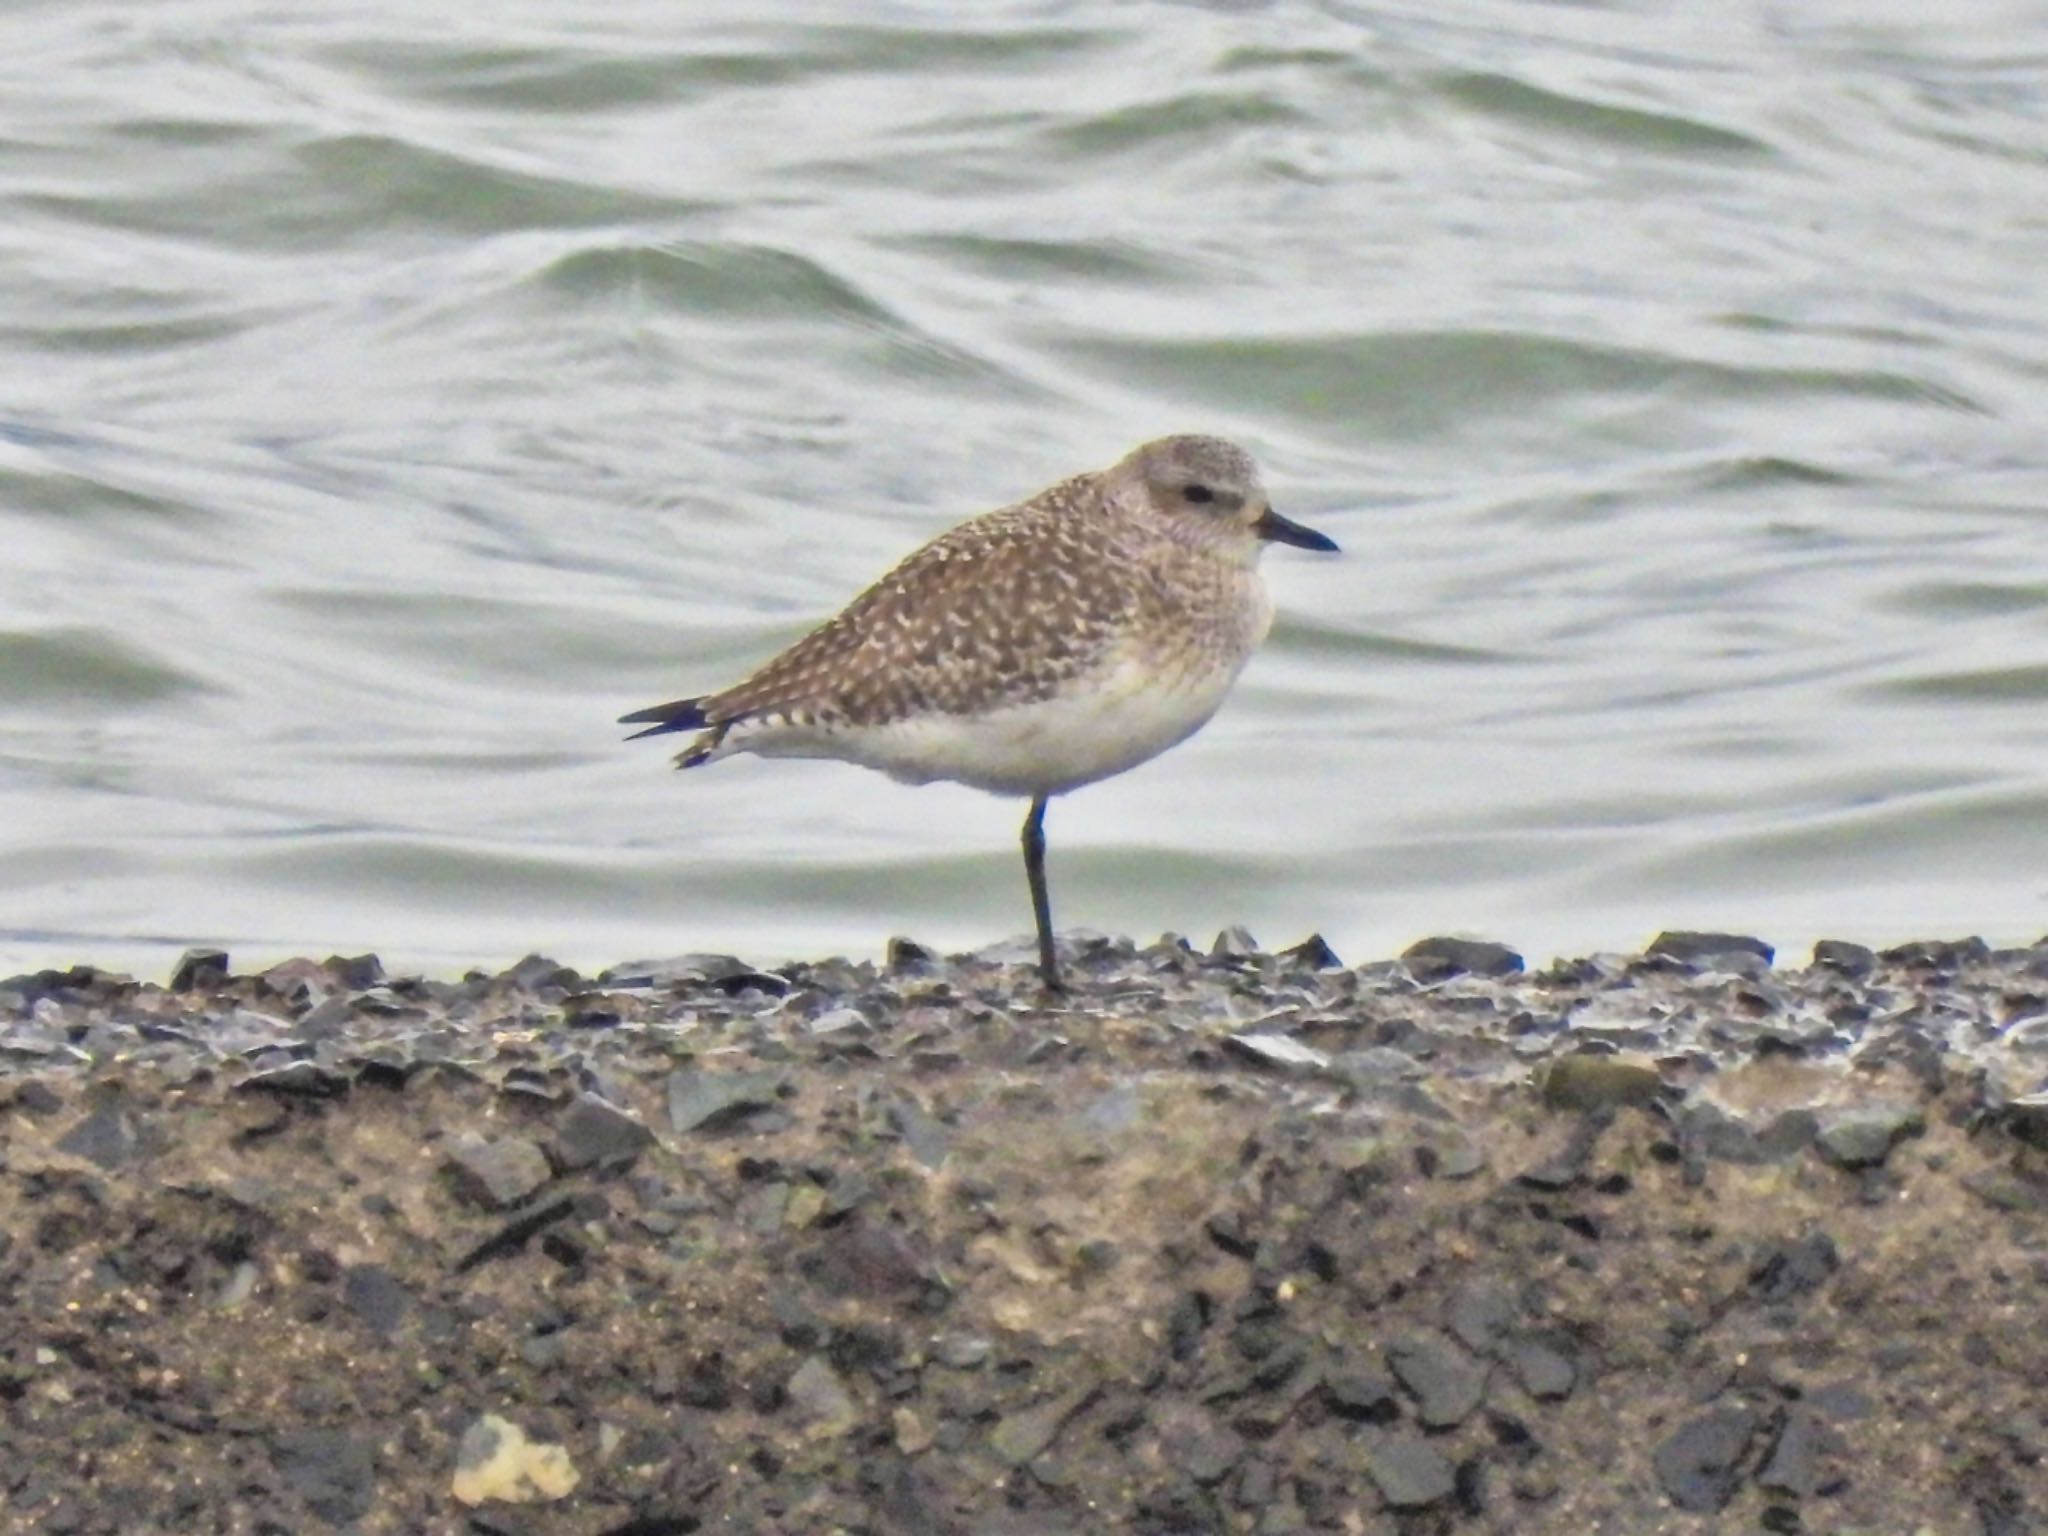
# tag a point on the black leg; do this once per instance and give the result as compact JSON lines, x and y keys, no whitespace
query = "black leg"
{"x":1041,"y":905}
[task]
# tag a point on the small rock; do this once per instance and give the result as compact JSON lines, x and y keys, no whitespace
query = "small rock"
{"x":1449,"y":1152}
{"x":1481,"y":1314}
{"x":296,"y":1080}
{"x":1409,"y":1472}
{"x":1863,"y":1136}
{"x":1439,"y":959}
{"x":1313,"y":953}
{"x":909,"y":955}
{"x":1364,"y":1396}
{"x":821,"y":1400}
{"x":1195,"y":1442}
{"x":1938,"y":954}
{"x":1795,"y":1463}
{"x":107,"y":1137}
{"x":499,"y":1173}
{"x":711,"y":1102}
{"x":1793,"y":1267}
{"x":594,"y":1130}
{"x":375,"y":1295}
{"x":962,"y":1351}
{"x":1234,"y":943}
{"x":495,"y":1460}
{"x":1852,"y":960}
{"x":200,"y":970}
{"x":1446,"y":1382}
{"x":913,"y":1434}
{"x":1020,"y":1438}
{"x":1588,"y":1080}
{"x":1546,"y":1372}
{"x":333,"y":1471}
{"x":1276,"y":1050}
{"x":1567,"y":1165}
{"x":839,"y":1023}
{"x":1714,"y":951}
{"x":1700,"y":1462}
{"x":357,"y":973}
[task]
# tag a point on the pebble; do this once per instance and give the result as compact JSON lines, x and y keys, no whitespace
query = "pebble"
{"x":712,"y":1102}
{"x":1863,"y":1136}
{"x":334,"y":1471}
{"x":1439,"y":959}
{"x":495,"y":1461}
{"x":1447,"y":1383}
{"x":1589,"y":1080}
{"x":498,"y":1173}
{"x":1409,"y":1472}
{"x":1700,"y":1462}
{"x":820,"y":1398}
{"x":1022,"y":1437}
{"x":1714,"y":951}
{"x":593,"y":1130}
{"x":1277,"y":1050}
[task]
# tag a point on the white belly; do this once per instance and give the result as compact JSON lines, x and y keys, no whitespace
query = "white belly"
{"x":1118,"y":720}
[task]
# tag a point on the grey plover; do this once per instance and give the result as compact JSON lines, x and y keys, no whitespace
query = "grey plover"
{"x":1030,"y":650}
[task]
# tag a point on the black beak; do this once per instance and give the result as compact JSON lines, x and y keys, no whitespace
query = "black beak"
{"x":1280,"y":530}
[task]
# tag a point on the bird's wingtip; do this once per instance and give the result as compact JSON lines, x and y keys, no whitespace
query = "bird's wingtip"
{"x":679,"y":715}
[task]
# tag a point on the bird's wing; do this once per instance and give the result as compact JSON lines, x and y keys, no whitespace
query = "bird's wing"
{"x":1003,"y":609}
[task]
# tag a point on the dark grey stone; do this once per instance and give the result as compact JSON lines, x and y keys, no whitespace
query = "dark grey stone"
{"x":1938,"y":954}
{"x":1314,"y":953}
{"x":1863,"y":1136}
{"x":375,"y":1295}
{"x":1409,"y":1472}
{"x":1794,"y":1463}
{"x":1366,"y":1396}
{"x":199,"y":969}
{"x":1449,"y":1152}
{"x":1199,"y":1445}
{"x":1439,"y":959}
{"x":296,"y":1080}
{"x":1234,"y":943}
{"x":1481,"y":1314}
{"x":1700,"y":1462}
{"x":107,"y":1137}
{"x":1545,"y":1371}
{"x":909,"y":955}
{"x":712,"y":1102}
{"x":1792,"y":1267}
{"x":1713,"y":951}
{"x":594,"y":1130}
{"x":1021,"y":1437}
{"x":498,"y":1173}
{"x":333,"y":1471}
{"x":1567,"y":1165}
{"x":1852,"y":960}
{"x":1446,"y":1382}
{"x":358,"y":973}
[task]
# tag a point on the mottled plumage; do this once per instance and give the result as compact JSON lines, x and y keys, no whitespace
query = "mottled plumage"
{"x":1031,"y":650}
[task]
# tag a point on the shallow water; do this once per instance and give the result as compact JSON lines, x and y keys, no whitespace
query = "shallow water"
{"x":393,"y":399}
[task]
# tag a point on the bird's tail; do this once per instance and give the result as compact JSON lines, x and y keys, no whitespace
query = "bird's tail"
{"x":682,"y":715}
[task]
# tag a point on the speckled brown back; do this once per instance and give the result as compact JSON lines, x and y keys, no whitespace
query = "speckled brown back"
{"x":1004,"y":609}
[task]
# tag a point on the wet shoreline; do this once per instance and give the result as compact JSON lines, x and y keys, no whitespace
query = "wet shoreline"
{"x":1226,"y":1241}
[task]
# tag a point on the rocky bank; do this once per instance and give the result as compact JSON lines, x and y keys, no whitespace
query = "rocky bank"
{"x":1223,"y":1241}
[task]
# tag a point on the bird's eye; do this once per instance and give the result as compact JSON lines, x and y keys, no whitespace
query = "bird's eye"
{"x":1199,"y":494}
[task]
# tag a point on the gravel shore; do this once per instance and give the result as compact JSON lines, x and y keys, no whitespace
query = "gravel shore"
{"x":1224,"y":1241}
